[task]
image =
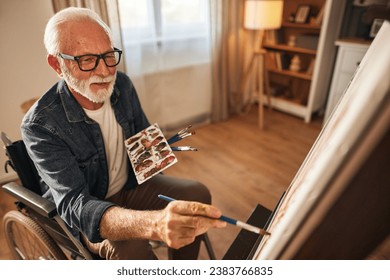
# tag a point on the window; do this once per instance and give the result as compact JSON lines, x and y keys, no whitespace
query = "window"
{"x":160,"y":35}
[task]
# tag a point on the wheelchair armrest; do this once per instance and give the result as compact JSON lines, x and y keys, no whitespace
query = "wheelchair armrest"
{"x":32,"y":200}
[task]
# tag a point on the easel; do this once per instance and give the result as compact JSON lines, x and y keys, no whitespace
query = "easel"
{"x":245,"y":245}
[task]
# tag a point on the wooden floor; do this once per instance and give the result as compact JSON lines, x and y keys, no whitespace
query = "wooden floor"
{"x":242,"y":166}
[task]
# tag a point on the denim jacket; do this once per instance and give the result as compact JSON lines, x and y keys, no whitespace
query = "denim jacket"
{"x":68,"y":151}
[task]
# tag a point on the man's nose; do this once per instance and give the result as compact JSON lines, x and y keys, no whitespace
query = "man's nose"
{"x":102,"y":69}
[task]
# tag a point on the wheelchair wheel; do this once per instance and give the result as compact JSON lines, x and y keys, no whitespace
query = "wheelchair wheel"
{"x":27,"y":240}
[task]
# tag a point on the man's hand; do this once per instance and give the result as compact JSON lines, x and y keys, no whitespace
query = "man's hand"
{"x":182,"y":221}
{"x":177,"y":225}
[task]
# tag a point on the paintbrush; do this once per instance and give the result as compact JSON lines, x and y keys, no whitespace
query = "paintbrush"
{"x":229,"y":220}
{"x":183,"y":148}
{"x":181,"y":135}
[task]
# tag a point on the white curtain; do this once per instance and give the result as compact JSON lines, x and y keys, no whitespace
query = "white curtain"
{"x":232,"y":47}
{"x":183,"y":74}
{"x":167,"y":48}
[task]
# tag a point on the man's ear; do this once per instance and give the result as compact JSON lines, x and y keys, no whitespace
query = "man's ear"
{"x":54,"y":63}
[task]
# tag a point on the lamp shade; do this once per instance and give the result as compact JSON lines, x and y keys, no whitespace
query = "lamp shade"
{"x":263,"y":14}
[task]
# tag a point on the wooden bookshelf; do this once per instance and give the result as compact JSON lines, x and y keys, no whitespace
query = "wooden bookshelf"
{"x":301,"y":41}
{"x":309,"y":26}
{"x":284,"y":47}
{"x":297,"y":75}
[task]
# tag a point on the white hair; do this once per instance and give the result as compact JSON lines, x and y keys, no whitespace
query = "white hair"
{"x":52,"y":39}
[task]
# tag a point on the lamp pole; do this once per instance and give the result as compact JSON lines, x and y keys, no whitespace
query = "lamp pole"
{"x":260,"y":15}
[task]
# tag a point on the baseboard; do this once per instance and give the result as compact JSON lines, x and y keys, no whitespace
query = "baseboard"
{"x":195,"y":121}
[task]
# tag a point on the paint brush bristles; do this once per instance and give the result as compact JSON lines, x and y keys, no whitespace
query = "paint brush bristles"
{"x":180,"y":135}
{"x":184,"y":148}
{"x":184,"y":130}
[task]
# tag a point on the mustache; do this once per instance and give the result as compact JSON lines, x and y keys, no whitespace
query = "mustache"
{"x":96,"y":79}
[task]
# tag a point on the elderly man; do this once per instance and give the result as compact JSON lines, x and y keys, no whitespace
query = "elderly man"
{"x":75,"y":136}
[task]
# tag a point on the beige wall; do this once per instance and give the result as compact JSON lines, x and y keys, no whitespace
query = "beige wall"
{"x":24,"y":72}
{"x":176,"y":98}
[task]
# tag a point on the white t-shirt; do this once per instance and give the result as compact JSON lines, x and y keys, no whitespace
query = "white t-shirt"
{"x":114,"y":146}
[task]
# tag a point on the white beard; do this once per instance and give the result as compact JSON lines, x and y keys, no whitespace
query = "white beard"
{"x":83,"y":86}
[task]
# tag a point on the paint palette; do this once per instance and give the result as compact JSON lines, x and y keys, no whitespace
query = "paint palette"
{"x":149,"y":153}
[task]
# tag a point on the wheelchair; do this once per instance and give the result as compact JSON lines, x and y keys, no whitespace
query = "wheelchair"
{"x":35,"y":231}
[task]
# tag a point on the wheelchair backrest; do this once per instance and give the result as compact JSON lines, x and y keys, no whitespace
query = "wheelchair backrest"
{"x":23,"y":165}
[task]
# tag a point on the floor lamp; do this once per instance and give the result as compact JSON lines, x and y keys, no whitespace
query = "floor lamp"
{"x":261,"y":15}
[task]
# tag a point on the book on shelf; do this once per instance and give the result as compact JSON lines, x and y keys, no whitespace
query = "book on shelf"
{"x":278,"y":60}
{"x":283,"y":60}
{"x":270,"y":37}
{"x":273,"y":37}
{"x":310,"y":68}
{"x":320,"y":16}
{"x":307,"y":41}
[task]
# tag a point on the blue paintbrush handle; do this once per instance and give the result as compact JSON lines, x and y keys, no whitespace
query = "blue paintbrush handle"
{"x":228,"y":220}
{"x":166,"y":198}
{"x":173,"y":139}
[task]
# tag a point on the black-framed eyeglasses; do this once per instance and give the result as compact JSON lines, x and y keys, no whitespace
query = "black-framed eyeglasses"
{"x":89,"y":62}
